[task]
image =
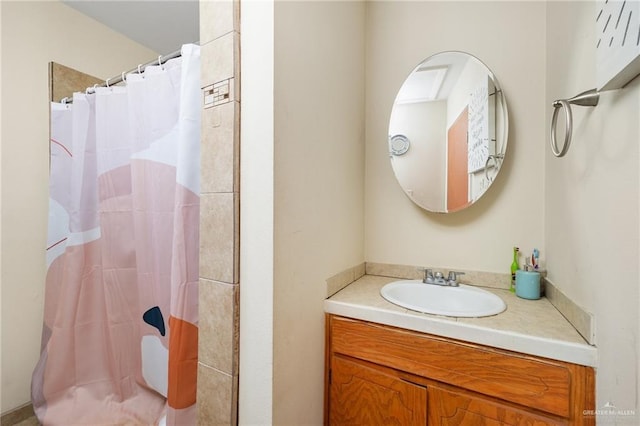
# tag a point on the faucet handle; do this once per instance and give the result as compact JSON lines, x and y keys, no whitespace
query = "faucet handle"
{"x":428,"y":275}
{"x":453,"y":276}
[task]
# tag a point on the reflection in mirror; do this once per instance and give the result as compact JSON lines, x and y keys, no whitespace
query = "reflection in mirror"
{"x":448,"y":132}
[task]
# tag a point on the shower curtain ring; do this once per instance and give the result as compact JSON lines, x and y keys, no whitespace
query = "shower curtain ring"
{"x":123,"y":77}
{"x":139,"y":70}
{"x":108,"y":82}
{"x":160,"y":62}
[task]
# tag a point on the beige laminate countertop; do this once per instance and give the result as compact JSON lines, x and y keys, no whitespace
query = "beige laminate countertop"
{"x":532,"y":327}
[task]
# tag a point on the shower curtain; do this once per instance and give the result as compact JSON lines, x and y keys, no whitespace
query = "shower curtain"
{"x":120,"y":335}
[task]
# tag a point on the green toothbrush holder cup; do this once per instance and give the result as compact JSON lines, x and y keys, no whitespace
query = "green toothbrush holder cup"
{"x":528,"y":284}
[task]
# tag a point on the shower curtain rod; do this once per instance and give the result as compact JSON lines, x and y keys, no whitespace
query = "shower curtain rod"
{"x":120,"y":78}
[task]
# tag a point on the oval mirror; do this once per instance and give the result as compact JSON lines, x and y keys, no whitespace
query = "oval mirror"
{"x":448,"y":132}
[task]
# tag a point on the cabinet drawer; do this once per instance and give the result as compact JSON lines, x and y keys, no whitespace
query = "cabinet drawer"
{"x":542,"y":384}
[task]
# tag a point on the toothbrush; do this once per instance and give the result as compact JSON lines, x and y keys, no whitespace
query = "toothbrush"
{"x":534,"y":258}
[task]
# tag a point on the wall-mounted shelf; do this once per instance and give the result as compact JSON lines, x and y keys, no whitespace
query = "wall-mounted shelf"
{"x":617,"y":43}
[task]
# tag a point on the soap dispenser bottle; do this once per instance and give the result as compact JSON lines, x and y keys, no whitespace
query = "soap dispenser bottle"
{"x":514,"y":268}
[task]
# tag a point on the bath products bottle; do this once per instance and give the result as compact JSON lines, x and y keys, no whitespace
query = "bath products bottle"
{"x":514,"y":268}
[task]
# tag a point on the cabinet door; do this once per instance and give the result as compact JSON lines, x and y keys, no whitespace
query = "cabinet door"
{"x":453,"y":408}
{"x":364,"y":395}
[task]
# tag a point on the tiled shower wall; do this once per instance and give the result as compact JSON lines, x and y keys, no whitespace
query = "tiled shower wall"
{"x":219,"y":213}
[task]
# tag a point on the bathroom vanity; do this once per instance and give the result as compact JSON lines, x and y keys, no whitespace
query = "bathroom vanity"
{"x":385,"y":364}
{"x":388,"y":365}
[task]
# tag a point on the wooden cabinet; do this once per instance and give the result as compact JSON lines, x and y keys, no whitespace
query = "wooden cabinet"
{"x":379,"y":375}
{"x":454,"y":407}
{"x":365,"y":395}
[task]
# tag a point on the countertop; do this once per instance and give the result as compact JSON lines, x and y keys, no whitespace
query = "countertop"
{"x":533,"y":327}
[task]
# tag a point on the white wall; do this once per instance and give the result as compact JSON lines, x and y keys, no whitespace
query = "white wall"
{"x":592,"y":210}
{"x":255,"y":403}
{"x":509,"y":37}
{"x":318,"y":197}
{"x":302,"y":195}
{"x":34,"y":33}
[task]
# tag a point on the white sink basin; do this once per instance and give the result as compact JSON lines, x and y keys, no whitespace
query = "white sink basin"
{"x":462,"y":301}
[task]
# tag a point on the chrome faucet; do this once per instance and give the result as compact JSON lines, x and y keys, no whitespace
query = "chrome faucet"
{"x":437,"y":278}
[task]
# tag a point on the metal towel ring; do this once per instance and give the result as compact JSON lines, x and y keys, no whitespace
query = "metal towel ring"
{"x":588,"y":98}
{"x":497,"y":158}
